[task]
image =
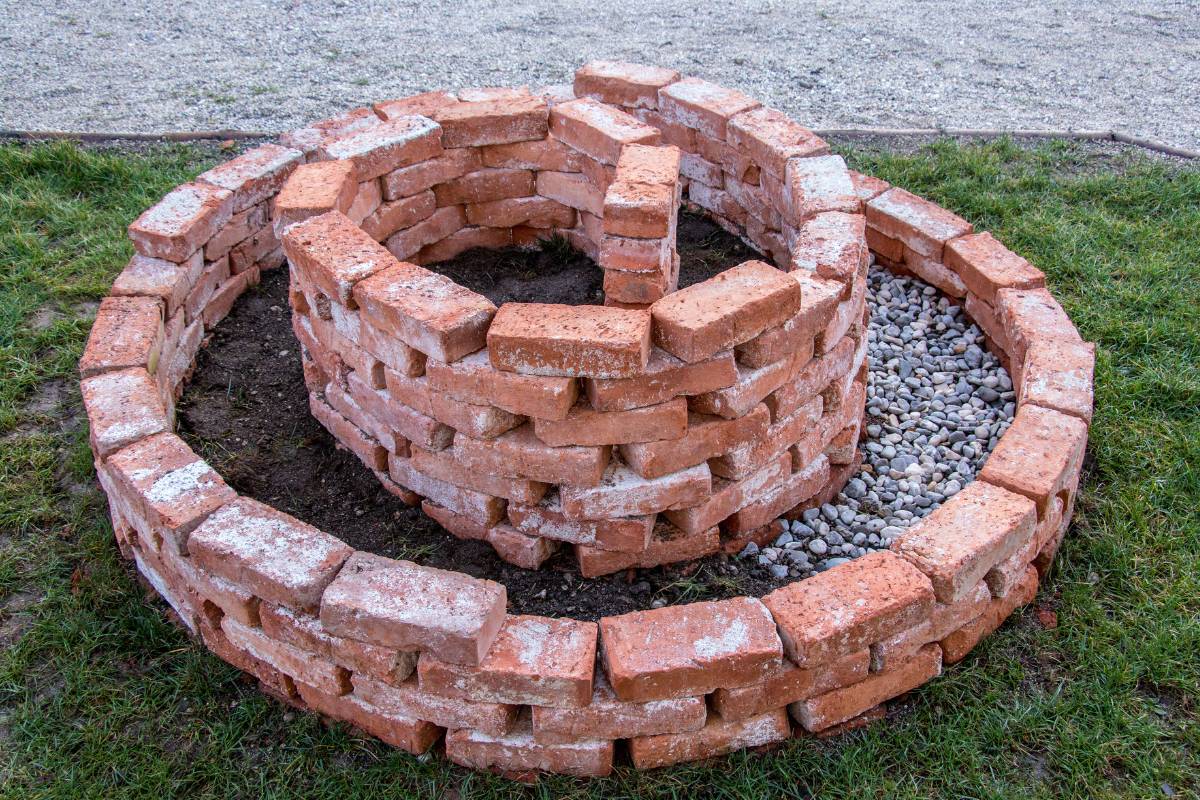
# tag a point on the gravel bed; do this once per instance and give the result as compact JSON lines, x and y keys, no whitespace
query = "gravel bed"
{"x":937,"y":403}
{"x":133,"y":65}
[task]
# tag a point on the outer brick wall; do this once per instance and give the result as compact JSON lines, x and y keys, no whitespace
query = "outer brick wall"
{"x":716,"y":419}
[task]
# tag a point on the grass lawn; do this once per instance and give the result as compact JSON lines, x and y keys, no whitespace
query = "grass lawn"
{"x":101,"y":697}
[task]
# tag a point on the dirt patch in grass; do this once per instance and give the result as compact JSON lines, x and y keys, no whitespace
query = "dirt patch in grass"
{"x":246,"y":411}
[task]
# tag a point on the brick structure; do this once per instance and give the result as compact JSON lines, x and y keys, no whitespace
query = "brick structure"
{"x":664,"y":426}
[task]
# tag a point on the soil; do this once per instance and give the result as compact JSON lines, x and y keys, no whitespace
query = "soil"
{"x":246,"y":411}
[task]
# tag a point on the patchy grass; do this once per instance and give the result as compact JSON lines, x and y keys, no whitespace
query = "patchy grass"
{"x":100,"y":696}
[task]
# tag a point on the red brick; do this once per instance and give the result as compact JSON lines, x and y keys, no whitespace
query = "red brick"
{"x":305,"y":632}
{"x":427,"y":311}
{"x":984,"y":316}
{"x":986,"y":266}
{"x":406,"y":733}
{"x":933,"y":271}
{"x":255,"y":175}
{"x":315,"y":189}
{"x":663,"y":378}
{"x":1058,"y":374}
{"x":304,"y":667}
{"x":123,"y":407}
{"x":788,"y":684}
{"x":956,"y":645}
{"x":367,"y":199}
{"x":817,"y":185}
{"x":794,"y":490}
{"x":519,"y":453}
{"x":535,"y":211}
{"x":165,"y":281}
{"x":607,"y":717}
{"x":1030,"y":315}
{"x":235,"y":602}
{"x":924,"y":227}
{"x":260,"y":244}
{"x":480,"y":94}
{"x":276,"y":556}
{"x":408,"y":700}
{"x":832,"y":244}
{"x":718,"y":737}
{"x":751,"y":387}
{"x":396,"y":215}
{"x":547,"y":154}
{"x":1039,"y":456}
{"x":588,"y":427}
{"x":518,"y":751}
{"x":463,"y":240}
{"x":569,"y":341}
{"x":347,"y":434}
{"x":696,"y":168}
{"x":771,"y":138}
{"x":527,"y":552}
{"x":128,"y":333}
{"x":334,"y":254}
{"x":312,"y":136}
{"x":728,"y":497}
{"x":423,"y":105}
{"x":479,"y":421}
{"x":701,"y":105}
{"x":241,"y":226}
{"x":639,"y":289}
{"x":379,"y":149}
{"x":846,"y":608}
{"x":819,"y":300}
{"x":640,"y":210}
{"x":811,"y":379}
{"x":475,"y":380}
{"x":571,"y":189}
{"x":868,"y":187}
{"x":172,"y":489}
{"x":598,"y":130}
{"x":706,"y":437}
{"x":668,"y":545}
{"x":407,"y":244}
{"x":949,"y":617}
{"x":623,"y":84}
{"x":399,"y":604}
{"x":483,"y":508}
{"x":649,"y":164}
{"x":960,"y":541}
{"x":626,"y":534}
{"x":677,"y":651}
{"x":180,"y":223}
{"x":842,"y":705}
{"x":735,"y":306}
{"x":417,"y":178}
{"x":444,"y":466}
{"x":533,"y":660}
{"x":222,"y":300}
{"x":623,"y":493}
{"x":500,"y":121}
{"x":485,"y":185}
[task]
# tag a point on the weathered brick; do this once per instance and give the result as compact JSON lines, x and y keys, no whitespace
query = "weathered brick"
{"x":406,"y":733}
{"x":970,"y":533}
{"x":533,"y":660}
{"x":165,"y":281}
{"x":706,"y":437}
{"x":310,"y":137}
{"x":598,"y":130}
{"x":274,"y":555}
{"x":788,"y":684}
{"x":819,"y":300}
{"x":831,"y":244}
{"x":407,"y":699}
{"x":485,"y":185}
{"x":868,"y":187}
{"x":483,"y":508}
{"x":1058,"y":374}
{"x":334,"y":254}
{"x":527,"y":552}
{"x":607,"y":717}
{"x":537,"y":212}
{"x":500,"y":121}
{"x":475,"y":380}
{"x":571,"y":189}
{"x":122,"y":407}
{"x":801,"y":485}
{"x":1030,"y":315}
{"x":305,"y":632}
{"x":172,"y":489}
{"x":315,"y":189}
{"x":366,"y":447}
{"x":922,"y":226}
{"x":846,"y":608}
{"x":668,"y":545}
{"x":569,"y":341}
{"x":463,"y":240}
{"x":182,"y":221}
{"x":956,"y":645}
{"x":663,"y":378}
{"x":752,"y":386}
{"x":818,"y":185}
{"x":518,"y":751}
{"x":395,"y":215}
{"x":519,"y":453}
{"x":255,"y":175}
{"x":427,"y":311}
{"x":1039,"y":456}
{"x":588,"y":427}
{"x":841,"y":705}
{"x":128,"y":333}
{"x":547,"y":154}
{"x":701,"y":105}
{"x":479,"y":421}
{"x":481,"y":94}
{"x":382,"y":148}
{"x":718,"y":737}
{"x":623,"y":84}
{"x":728,"y":497}
{"x":771,"y":138}
{"x":420,"y":177}
{"x":546,"y":519}
{"x":677,"y":651}
{"x":304,"y":667}
{"x":986,"y":266}
{"x":444,"y":466}
{"x":622,"y":492}
{"x":399,"y":604}
{"x":423,"y":105}
{"x":640,"y":210}
{"x":241,"y":226}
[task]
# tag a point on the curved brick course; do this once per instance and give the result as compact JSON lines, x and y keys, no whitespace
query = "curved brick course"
{"x":531,"y":427}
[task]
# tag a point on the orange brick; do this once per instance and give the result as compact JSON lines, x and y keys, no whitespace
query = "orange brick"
{"x":310,"y":137}
{"x":128,"y":333}
{"x":409,"y":243}
{"x":623,"y":84}
{"x":718,"y":737}
{"x":791,"y":492}
{"x":417,"y":178}
{"x":165,"y":281}
{"x":334,"y":254}
{"x":986,"y":266}
{"x":788,"y":684}
{"x":729,"y":496}
{"x":684,"y":650}
{"x":475,"y":380}
{"x":406,"y":733}
{"x":445,"y":467}
{"x":379,"y":149}
{"x":846,"y":608}
{"x":518,"y":751}
{"x":664,"y":377}
{"x":255,"y":175}
{"x":1039,"y":456}
{"x":571,"y":189}
{"x":484,"y":185}
{"x":527,"y":552}
{"x":586,"y":426}
{"x":123,"y":407}
{"x":182,"y":221}
{"x":304,"y":631}
{"x":1058,"y":374}
{"x":770,"y":138}
{"x":701,"y":105}
{"x":607,"y":717}
{"x":622,"y":492}
{"x":735,"y":306}
{"x":832,"y":245}
{"x":500,"y":121}
{"x":921,"y":225}
{"x":957,"y":644}
{"x":304,"y":667}
{"x":842,"y":705}
{"x":315,"y":189}
{"x":706,"y":437}
{"x":569,"y":341}
{"x":819,"y":299}
{"x":668,"y":545}
{"x":519,"y":453}
{"x":1030,"y":315}
{"x":538,"y":212}
{"x":484,"y":509}
{"x":817,"y":185}
{"x":399,"y":604}
{"x":423,"y":105}
{"x":407,"y":699}
{"x":396,"y":215}
{"x":547,"y":154}
{"x":627,"y":534}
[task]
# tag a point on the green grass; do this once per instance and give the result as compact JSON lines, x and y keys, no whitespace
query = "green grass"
{"x":101,"y":697}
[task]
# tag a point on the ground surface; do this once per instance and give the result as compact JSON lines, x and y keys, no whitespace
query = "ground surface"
{"x":136,"y":65}
{"x":1090,"y":693}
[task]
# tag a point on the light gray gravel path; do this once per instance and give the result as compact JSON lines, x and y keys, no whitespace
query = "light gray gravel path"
{"x":132,"y":65}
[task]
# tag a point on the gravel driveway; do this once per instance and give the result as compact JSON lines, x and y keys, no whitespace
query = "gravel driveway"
{"x":133,"y":65}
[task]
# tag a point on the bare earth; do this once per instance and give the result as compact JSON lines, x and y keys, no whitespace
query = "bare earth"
{"x":131,"y":65}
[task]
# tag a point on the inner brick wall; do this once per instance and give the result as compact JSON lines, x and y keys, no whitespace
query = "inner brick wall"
{"x":415,"y":655}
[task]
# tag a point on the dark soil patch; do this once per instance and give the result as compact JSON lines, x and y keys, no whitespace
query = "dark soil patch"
{"x":246,"y":411}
